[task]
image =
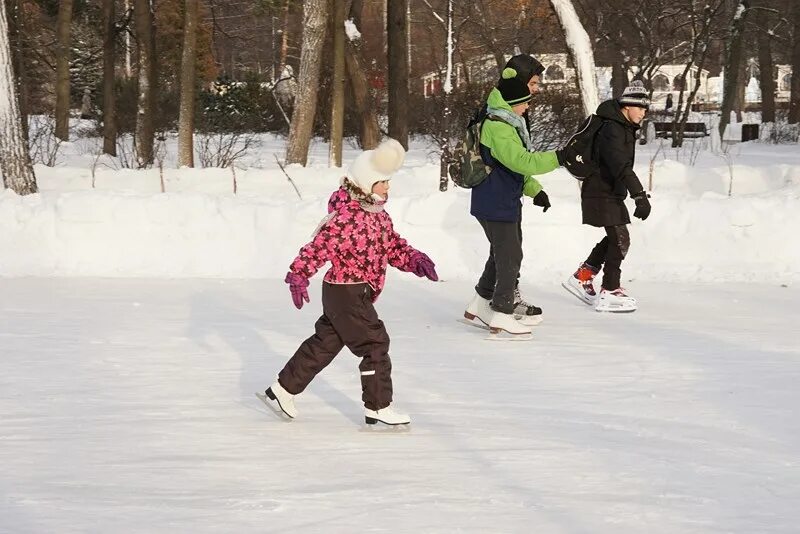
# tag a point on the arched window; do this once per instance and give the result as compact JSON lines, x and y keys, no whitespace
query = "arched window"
{"x":554,"y":73}
{"x":660,"y":83}
{"x":678,"y":83}
{"x":786,"y":82}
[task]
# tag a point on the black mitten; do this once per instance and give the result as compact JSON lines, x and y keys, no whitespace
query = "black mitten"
{"x":542,"y":200}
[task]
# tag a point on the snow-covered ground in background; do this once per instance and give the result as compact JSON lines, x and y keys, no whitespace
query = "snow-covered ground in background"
{"x":125,"y":226}
{"x":126,"y":405}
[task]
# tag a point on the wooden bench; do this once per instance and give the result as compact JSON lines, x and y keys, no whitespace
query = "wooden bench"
{"x":692,"y":129}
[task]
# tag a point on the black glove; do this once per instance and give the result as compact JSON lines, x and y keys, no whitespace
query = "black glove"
{"x":561,"y":156}
{"x":642,"y":210}
{"x":541,"y":199}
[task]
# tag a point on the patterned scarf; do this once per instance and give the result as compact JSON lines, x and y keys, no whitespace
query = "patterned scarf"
{"x":370,"y":203}
{"x":514,"y":120}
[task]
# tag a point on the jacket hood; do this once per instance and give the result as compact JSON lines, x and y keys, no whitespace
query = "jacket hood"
{"x":611,"y":110}
{"x":339,"y":199}
{"x":495,"y":100}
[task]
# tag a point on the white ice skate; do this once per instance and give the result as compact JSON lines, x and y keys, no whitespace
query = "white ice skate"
{"x":506,"y":323}
{"x":387,"y":416}
{"x":478,"y":308}
{"x":526,"y":313}
{"x":276,"y":396}
{"x":615,"y":301}
{"x":583,"y":290}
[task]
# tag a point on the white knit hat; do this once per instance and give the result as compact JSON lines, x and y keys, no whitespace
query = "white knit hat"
{"x":376,"y":165}
{"x":635,"y":95}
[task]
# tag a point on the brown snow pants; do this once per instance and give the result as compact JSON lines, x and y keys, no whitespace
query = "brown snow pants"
{"x":348,"y":319}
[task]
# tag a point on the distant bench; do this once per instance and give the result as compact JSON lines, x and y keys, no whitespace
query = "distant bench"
{"x":692,"y":129}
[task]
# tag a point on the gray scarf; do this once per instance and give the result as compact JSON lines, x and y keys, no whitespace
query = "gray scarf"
{"x":514,"y":120}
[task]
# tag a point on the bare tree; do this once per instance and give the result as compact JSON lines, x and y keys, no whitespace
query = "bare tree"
{"x":186,"y":118}
{"x":733,"y":79}
{"x":305,"y":105}
{"x":794,"y":102}
{"x":701,"y":27}
{"x":363,"y":101}
{"x":16,"y":22}
{"x":582,"y":53}
{"x":765,"y":65}
{"x":15,"y":163}
{"x":397,"y":45}
{"x":337,"y":108}
{"x":109,"y":99}
{"x":145,"y":35}
{"x":63,"y":29}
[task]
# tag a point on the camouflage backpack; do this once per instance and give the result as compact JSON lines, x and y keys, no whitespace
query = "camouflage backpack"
{"x":467,"y":168}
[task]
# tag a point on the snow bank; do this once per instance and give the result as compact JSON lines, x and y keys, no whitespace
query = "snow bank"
{"x":125,"y":226}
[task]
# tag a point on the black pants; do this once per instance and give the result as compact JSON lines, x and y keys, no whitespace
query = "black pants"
{"x":609,"y":253}
{"x":500,"y":274}
{"x":348,"y":319}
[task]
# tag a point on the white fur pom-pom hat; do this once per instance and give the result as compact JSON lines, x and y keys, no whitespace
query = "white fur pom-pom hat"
{"x":377,"y":165}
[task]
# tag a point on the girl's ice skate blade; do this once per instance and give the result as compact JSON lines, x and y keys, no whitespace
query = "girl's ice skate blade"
{"x":615,"y":301}
{"x":387,"y":416}
{"x":277,"y":397}
{"x":579,"y":289}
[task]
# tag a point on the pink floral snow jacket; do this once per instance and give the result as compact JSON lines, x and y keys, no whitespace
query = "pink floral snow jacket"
{"x":358,"y":243}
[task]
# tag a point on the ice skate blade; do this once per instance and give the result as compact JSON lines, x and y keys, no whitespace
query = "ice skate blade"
{"x":470,"y":317}
{"x":580,"y":297}
{"x":477,"y":324}
{"x":615,"y":310}
{"x":505,"y":336}
{"x":373,"y":421}
{"x":385,"y":429}
{"x":276,"y":409}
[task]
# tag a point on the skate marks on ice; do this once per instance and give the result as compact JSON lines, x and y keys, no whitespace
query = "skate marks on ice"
{"x":501,"y":336}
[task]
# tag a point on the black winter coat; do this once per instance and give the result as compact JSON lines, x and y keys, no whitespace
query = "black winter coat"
{"x":602,"y":197}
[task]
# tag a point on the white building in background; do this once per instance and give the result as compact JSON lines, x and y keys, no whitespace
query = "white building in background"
{"x":666,"y":80}
{"x":784,"y":88}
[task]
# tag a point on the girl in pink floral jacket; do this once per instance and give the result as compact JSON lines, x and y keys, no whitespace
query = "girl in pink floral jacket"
{"x":358,"y":239}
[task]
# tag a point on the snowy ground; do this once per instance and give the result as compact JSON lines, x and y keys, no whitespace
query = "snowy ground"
{"x":127,"y":406}
{"x":136,"y":326}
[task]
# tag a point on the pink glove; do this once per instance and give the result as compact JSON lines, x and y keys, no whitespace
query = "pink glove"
{"x":421,"y":265}
{"x":298,"y":286}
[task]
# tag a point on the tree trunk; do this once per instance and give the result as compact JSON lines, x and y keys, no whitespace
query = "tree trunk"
{"x":284,"y":39}
{"x":794,"y":101}
{"x":369,"y":132}
{"x":339,"y":75}
{"x":16,"y":19}
{"x":63,"y":27}
{"x":15,"y":162}
{"x":584,"y":62}
{"x":305,"y":104}
{"x":145,"y":35}
{"x":765,"y":69}
{"x":619,"y":78}
{"x":733,"y":59}
{"x":739,"y":100}
{"x":397,"y":48}
{"x":186,"y":119}
{"x":109,"y":98}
